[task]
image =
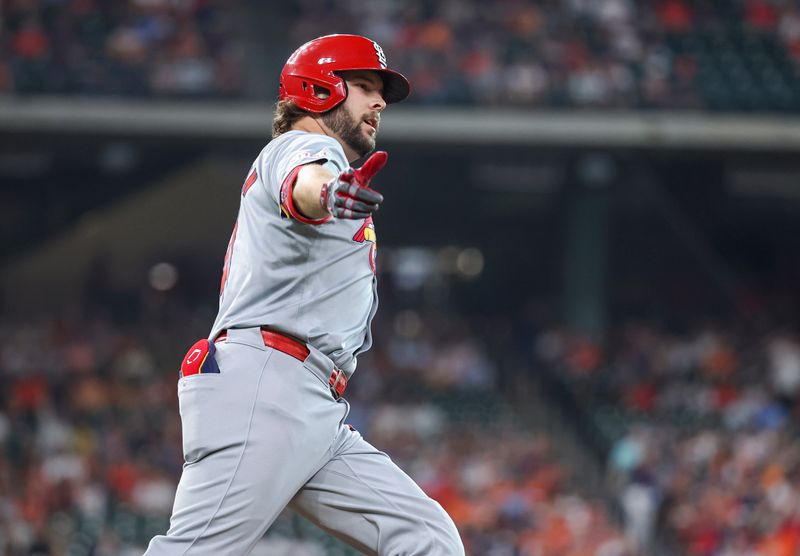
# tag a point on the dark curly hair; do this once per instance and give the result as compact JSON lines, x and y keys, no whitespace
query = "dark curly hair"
{"x":286,"y":115}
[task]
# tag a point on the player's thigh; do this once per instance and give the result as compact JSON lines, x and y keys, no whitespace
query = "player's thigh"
{"x":363,"y":498}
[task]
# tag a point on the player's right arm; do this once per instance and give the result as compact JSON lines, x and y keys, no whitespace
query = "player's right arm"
{"x":317,"y":193}
{"x":315,"y":182}
{"x":310,"y":180}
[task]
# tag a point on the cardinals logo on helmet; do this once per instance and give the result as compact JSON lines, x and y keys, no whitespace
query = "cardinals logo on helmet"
{"x":381,"y":55}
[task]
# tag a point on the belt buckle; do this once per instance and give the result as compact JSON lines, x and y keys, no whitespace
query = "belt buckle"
{"x":337,"y":377}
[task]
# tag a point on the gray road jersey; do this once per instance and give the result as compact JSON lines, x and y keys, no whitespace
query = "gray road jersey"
{"x":315,"y":282}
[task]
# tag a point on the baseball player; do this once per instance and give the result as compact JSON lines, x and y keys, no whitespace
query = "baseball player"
{"x":261,"y":399}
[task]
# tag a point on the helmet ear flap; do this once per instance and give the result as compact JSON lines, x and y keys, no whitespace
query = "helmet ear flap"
{"x":343,"y":82}
{"x":315,"y":89}
{"x":318,"y":94}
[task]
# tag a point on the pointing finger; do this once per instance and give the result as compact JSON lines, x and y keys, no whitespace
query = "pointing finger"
{"x":371,"y":167}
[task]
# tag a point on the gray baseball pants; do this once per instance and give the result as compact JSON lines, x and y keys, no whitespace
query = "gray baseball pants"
{"x":266,"y":433}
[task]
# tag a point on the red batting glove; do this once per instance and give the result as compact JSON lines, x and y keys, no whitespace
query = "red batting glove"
{"x":349,"y":194}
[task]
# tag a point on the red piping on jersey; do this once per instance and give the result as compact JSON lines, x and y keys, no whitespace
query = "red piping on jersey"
{"x":226,"y":265}
{"x":249,"y":183}
{"x":288,"y":203}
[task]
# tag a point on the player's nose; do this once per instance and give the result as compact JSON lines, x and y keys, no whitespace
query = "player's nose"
{"x":378,"y":103}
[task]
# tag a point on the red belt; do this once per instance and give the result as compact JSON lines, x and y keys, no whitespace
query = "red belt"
{"x":300,"y":351}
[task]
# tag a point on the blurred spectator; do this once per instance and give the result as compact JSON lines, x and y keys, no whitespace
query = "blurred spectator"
{"x":135,"y":47}
{"x":761,"y":15}
{"x":674,"y":15}
{"x":701,"y":429}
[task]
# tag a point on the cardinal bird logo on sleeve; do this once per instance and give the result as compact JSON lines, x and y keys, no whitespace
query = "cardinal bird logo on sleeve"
{"x":367,"y":233}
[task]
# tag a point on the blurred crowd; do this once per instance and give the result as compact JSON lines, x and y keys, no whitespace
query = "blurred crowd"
{"x":133,"y":47}
{"x":737,"y":55}
{"x":600,"y":53}
{"x":90,"y":436}
{"x":88,"y":429}
{"x":536,"y":52}
{"x":703,"y":429}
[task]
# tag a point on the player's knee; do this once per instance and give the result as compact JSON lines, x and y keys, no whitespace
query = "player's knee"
{"x":438,"y":539}
{"x":449,"y":543}
{"x":444,"y":539}
{"x":440,"y":544}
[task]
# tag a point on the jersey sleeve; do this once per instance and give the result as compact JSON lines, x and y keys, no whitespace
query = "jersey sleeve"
{"x":297,"y":151}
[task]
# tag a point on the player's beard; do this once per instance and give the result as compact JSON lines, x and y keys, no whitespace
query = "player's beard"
{"x":342,"y":122}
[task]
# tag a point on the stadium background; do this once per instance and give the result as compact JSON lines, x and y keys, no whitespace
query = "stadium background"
{"x":587,"y":342}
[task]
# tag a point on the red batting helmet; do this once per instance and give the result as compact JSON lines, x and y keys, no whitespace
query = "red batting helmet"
{"x":317,"y":61}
